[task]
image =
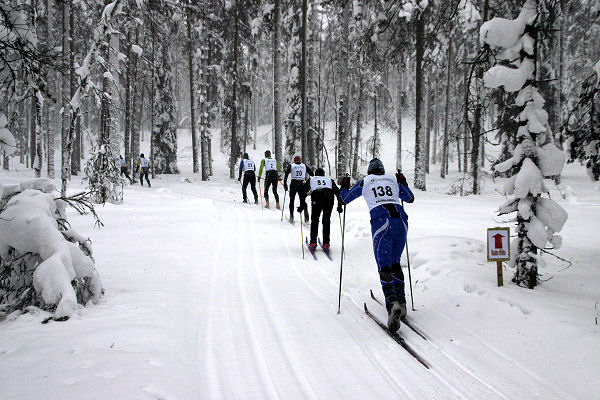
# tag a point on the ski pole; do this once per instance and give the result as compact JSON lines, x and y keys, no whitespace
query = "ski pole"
{"x":412,"y":301}
{"x":283,"y":206}
{"x":341,"y":263}
{"x":260,"y":192}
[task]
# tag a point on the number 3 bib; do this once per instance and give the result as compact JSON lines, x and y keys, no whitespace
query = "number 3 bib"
{"x":380,"y":189}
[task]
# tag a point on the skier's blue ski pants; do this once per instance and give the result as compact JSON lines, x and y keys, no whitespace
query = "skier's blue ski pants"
{"x":389,"y":239}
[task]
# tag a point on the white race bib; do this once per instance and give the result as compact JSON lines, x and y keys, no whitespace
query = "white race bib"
{"x":144,"y":162}
{"x":270,"y":164}
{"x":380,"y":189}
{"x":298,"y":171}
{"x":320,"y":182}
{"x":248,"y":165}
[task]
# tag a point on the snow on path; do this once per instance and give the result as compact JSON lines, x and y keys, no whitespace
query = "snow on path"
{"x":208,"y":298}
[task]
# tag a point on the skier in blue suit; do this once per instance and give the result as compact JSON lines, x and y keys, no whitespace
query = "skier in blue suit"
{"x":389,"y":225}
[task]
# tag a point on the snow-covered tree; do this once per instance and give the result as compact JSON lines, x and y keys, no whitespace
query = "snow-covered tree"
{"x":43,"y":262}
{"x":535,"y":156}
{"x":583,"y":126}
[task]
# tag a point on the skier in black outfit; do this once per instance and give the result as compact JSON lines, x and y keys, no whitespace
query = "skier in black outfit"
{"x":271,"y":167}
{"x":323,"y":190}
{"x":248,"y":168}
{"x":298,"y":171}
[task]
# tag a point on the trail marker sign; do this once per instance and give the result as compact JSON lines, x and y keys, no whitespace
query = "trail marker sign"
{"x":498,"y":248}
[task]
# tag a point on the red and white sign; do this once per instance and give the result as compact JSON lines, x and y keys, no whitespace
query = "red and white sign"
{"x":498,"y":244}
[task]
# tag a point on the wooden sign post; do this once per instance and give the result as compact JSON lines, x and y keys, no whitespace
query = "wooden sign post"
{"x":498,"y":249}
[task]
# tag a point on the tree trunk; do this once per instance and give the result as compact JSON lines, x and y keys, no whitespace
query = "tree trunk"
{"x":357,"y":137}
{"x":303,"y":64}
{"x":343,"y":137}
{"x":399,"y":106}
{"x":234,"y":152}
{"x":375,"y":153}
{"x":420,"y":136}
{"x":75,"y":145}
{"x":128,"y":110}
{"x":278,"y":148}
{"x":192,"y":85}
{"x":477,"y":133}
{"x":66,"y":96}
{"x":428,"y":114}
{"x":444,"y":167}
{"x":204,"y":100}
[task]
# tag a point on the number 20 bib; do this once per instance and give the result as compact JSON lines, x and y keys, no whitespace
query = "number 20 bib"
{"x":380,"y":189}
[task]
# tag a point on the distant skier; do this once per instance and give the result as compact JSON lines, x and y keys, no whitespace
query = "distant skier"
{"x":143,"y":165}
{"x":389,"y":225}
{"x":248,"y":168}
{"x":299,"y":172}
{"x":124,"y":169}
{"x":271,"y":168}
{"x":323,"y":192}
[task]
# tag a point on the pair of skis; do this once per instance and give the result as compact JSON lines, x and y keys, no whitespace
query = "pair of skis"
{"x":394,"y":335}
{"x":313,"y":251}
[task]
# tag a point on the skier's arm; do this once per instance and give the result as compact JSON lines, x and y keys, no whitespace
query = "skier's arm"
{"x":406,"y":194}
{"x":287,"y":172}
{"x":350,"y":195}
{"x":262,"y":165}
{"x":336,"y":193}
{"x":309,"y":171}
{"x":240,"y":170}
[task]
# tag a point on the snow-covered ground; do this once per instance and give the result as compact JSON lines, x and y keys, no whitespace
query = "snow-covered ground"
{"x":209,"y":298}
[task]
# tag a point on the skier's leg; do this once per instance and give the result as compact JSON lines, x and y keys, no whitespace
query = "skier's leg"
{"x":302,"y":196}
{"x":244,"y":187}
{"x":142,"y":176}
{"x":292,"y":200}
{"x":314,"y":227}
{"x":266,"y":194}
{"x":327,"y":222}
{"x":275,"y":194}
{"x":382,"y":245}
{"x":253,"y":188}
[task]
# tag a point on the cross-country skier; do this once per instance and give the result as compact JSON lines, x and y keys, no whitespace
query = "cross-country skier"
{"x":323,"y":192}
{"x":298,"y":172}
{"x":124,"y":169}
{"x":271,"y":168}
{"x":143,"y":167}
{"x":389,"y":225}
{"x":248,"y":168}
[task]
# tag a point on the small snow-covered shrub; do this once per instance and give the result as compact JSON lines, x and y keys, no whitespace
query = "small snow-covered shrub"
{"x":103,"y":176}
{"x":43,"y":262}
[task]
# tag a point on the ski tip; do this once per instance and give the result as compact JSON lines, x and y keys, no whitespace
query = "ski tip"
{"x":366,"y":309}
{"x":372,"y":294}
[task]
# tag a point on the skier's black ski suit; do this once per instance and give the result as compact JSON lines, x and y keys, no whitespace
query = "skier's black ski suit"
{"x":321,"y":201}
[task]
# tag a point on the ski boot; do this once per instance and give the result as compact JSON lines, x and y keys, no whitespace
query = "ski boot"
{"x":245,"y":201}
{"x":394,"y":316}
{"x":325,"y":246}
{"x":312,"y":247}
{"x":292,"y":219}
{"x":277,"y":206}
{"x":255,"y":201}
{"x":266,"y":204}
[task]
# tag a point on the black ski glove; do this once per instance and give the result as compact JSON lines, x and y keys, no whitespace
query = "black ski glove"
{"x":340,"y":209}
{"x":259,"y":178}
{"x":401,"y":179}
{"x":345,"y":183}
{"x":285,"y":186}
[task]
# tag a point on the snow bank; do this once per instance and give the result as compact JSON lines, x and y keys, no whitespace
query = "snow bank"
{"x":29,"y":224}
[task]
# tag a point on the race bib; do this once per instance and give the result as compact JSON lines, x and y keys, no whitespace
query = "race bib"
{"x":380,"y":189}
{"x":248,"y":165}
{"x":298,"y":171}
{"x":320,"y":182}
{"x":270,"y":164}
{"x":144,"y":162}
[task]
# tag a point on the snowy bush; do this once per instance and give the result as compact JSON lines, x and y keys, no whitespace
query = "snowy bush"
{"x":535,"y":156}
{"x":7,"y":141}
{"x":43,"y":262}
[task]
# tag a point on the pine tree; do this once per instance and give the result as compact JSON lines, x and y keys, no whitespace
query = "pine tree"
{"x":535,"y":156}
